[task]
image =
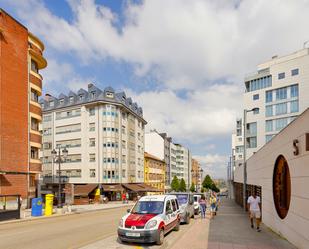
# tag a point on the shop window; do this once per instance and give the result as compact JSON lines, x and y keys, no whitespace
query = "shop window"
{"x":282,"y":187}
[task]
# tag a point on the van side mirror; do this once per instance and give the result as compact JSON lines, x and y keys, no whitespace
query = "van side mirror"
{"x":128,"y":210}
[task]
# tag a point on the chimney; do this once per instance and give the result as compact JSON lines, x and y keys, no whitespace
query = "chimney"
{"x":47,"y":97}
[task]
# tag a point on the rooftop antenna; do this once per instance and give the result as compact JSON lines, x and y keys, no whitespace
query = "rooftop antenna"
{"x":305,"y":43}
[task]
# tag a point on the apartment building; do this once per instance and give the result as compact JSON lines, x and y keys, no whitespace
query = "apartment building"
{"x":20,"y":113}
{"x":183,"y":164}
{"x":154,"y":172}
{"x":103,"y":132}
{"x":159,"y":145}
{"x":196,"y":174}
{"x":275,"y":95}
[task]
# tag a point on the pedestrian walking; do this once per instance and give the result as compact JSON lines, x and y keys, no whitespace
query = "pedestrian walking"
{"x":213,"y":205}
{"x":254,"y":206}
{"x":203,"y":206}
{"x":123,"y":198}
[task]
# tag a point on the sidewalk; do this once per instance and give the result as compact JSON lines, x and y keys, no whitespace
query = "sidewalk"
{"x":230,"y":229}
{"x":75,"y":209}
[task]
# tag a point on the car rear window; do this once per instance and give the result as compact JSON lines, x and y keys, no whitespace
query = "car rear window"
{"x":182,"y":199}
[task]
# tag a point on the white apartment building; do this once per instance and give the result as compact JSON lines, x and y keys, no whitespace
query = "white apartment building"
{"x":183,"y":164}
{"x":275,"y":95}
{"x":103,"y":132}
{"x":154,"y":144}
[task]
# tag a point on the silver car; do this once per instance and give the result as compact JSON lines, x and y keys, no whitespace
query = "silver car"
{"x":186,"y":204}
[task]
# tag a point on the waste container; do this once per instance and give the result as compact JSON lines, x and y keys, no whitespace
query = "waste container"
{"x":49,"y":201}
{"x":36,"y":207}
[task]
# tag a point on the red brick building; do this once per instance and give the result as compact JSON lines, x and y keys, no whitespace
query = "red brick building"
{"x":21,"y":59}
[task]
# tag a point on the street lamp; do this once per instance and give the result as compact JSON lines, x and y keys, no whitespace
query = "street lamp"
{"x":245,"y":147}
{"x":196,"y":174}
{"x":60,"y":159}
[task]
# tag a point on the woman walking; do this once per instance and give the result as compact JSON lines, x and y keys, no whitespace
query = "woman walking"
{"x":202,"y":203}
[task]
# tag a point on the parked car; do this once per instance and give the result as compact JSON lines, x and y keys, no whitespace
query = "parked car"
{"x":186,"y":204}
{"x":150,"y":219}
{"x":197,"y":198}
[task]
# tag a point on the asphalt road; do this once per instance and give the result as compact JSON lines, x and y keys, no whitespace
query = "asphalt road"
{"x":72,"y":231}
{"x":97,"y":229}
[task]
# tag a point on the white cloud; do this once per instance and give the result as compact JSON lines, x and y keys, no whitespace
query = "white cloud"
{"x":214,"y":165}
{"x":194,"y":117}
{"x":185,"y":44}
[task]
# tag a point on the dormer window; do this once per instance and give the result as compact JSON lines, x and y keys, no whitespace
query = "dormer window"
{"x":109,"y":95}
{"x":123,"y":98}
{"x":71,"y":99}
{"x":51,"y":103}
{"x":80,"y":97}
{"x":92,"y":95}
{"x":61,"y":101}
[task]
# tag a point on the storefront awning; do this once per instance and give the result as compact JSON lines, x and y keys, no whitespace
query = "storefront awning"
{"x":84,"y":189}
{"x":112,"y":188}
{"x":139,"y":187}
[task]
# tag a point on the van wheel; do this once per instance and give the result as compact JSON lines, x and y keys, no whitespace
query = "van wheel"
{"x":177,"y":226}
{"x":160,"y":238}
{"x":188,"y":219}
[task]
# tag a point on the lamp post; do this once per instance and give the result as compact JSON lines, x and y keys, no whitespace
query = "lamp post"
{"x":196,"y":174}
{"x":245,"y":149}
{"x":60,"y":159}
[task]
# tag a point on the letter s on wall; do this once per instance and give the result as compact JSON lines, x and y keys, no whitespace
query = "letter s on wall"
{"x":296,"y":149}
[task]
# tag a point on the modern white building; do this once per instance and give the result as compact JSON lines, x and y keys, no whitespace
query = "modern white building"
{"x":154,"y":144}
{"x":275,"y":95}
{"x":103,"y":132}
{"x":183,"y":164}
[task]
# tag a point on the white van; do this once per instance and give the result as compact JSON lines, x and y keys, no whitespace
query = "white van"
{"x":150,"y":219}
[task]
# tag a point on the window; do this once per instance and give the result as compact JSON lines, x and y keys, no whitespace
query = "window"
{"x":269,"y":111}
{"x":256,"y":111}
{"x":281,"y":76}
{"x":73,"y":143}
{"x":92,"y":173}
{"x":34,"y":66}
{"x":92,"y":157}
{"x":68,"y":128}
{"x":68,"y":114}
{"x":258,"y":84}
{"x":46,"y":118}
{"x":91,"y":111}
{"x":251,"y":128}
{"x":34,"y":124}
{"x":281,"y":108}
{"x":269,"y":96}
{"x":294,"y":91}
{"x":73,"y":158}
{"x":92,"y":95}
{"x":71,"y":99}
{"x":294,"y":106}
{"x":91,"y":126}
{"x":268,"y":125}
{"x":109,"y":95}
{"x":61,"y":101}
{"x":168,"y":207}
{"x":268,"y":138}
{"x":34,"y":96}
{"x":174,"y":205}
{"x":281,"y":93}
{"x":51,"y":103}
{"x":239,"y":149}
{"x":294,"y":72}
{"x":281,"y":123}
{"x":256,"y":96}
{"x":282,"y":187}
{"x":34,"y":153}
{"x":251,"y":142}
{"x":91,"y":142}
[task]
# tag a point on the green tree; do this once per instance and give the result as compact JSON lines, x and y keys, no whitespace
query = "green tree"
{"x":207,"y":182}
{"x":214,"y":188}
{"x":192,"y":188}
{"x":175,"y":184}
{"x":182,"y":185}
{"x":202,"y":190}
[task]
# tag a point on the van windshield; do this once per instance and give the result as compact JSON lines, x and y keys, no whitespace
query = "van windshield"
{"x":148,"y":207}
{"x":182,"y":199}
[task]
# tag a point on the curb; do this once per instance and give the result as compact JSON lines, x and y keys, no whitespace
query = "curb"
{"x":59,"y":215}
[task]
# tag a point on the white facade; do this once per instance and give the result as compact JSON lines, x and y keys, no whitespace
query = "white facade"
{"x":183,"y":164}
{"x":154,"y":144}
{"x":260,"y":172}
{"x":280,"y":91}
{"x":103,"y":133}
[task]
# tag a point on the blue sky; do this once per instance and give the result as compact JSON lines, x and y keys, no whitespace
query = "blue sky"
{"x":182,"y":61}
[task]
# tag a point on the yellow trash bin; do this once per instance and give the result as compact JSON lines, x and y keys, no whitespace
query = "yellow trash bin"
{"x":49,"y":200}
